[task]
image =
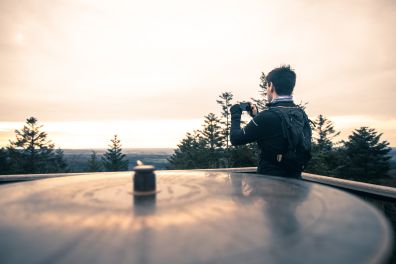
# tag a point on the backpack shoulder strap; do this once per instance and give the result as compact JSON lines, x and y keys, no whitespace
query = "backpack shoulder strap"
{"x":290,"y":128}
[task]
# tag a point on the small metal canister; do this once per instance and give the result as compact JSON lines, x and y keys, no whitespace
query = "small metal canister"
{"x":144,"y":182}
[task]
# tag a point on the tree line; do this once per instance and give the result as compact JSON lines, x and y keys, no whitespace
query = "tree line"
{"x":31,"y":152}
{"x":363,"y":156}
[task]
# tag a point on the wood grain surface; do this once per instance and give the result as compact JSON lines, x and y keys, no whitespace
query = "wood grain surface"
{"x":195,"y":217}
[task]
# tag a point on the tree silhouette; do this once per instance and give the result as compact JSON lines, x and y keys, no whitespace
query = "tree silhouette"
{"x":5,"y":166}
{"x":244,"y":155}
{"x":262,"y":101}
{"x":94,"y":163}
{"x":58,"y":162}
{"x":366,"y":156}
{"x":32,"y":152}
{"x":211,"y":132}
{"x":114,"y":159}
{"x":325,"y":158}
{"x":225,"y":102}
{"x":211,"y":135}
{"x":191,"y":153}
{"x":324,"y":133}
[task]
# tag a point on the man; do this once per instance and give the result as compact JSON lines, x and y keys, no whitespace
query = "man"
{"x":282,"y":131}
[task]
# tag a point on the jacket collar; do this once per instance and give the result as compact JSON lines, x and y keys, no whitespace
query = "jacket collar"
{"x":281,"y":103}
{"x":282,"y":98}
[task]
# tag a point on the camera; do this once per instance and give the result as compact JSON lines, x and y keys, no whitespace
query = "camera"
{"x":249,"y":107}
{"x":245,"y":106}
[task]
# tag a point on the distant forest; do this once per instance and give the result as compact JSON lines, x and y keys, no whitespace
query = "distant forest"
{"x":363,"y":156}
{"x":77,"y":159}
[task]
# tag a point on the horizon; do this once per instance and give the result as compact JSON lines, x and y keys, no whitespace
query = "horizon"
{"x":150,"y":71}
{"x":170,"y":134}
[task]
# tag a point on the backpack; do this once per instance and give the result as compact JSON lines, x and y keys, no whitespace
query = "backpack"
{"x":297,"y":131}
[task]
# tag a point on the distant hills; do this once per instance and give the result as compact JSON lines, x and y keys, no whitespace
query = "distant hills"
{"x":78,"y":158}
{"x":146,"y":151}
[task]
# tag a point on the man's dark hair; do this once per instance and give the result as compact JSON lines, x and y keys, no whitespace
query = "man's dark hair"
{"x":283,"y":79}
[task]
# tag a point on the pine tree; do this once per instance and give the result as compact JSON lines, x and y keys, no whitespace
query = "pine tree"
{"x":261,"y":103}
{"x":211,"y":132}
{"x":212,"y":137}
{"x":58,"y":162}
{"x":225,"y":102}
{"x":325,"y":158}
{"x":324,"y":133}
{"x":32,"y":152}
{"x":191,"y":153}
{"x":14,"y":160}
{"x":94,"y":164}
{"x":366,"y":156}
{"x":114,"y":159}
{"x":4,"y":162}
{"x":244,"y":155}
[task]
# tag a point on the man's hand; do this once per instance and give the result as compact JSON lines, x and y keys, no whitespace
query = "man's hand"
{"x":236,"y":110}
{"x":254,"y":111}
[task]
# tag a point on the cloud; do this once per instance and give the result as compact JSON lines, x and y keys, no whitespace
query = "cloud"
{"x":95,"y":60}
{"x":369,"y":94}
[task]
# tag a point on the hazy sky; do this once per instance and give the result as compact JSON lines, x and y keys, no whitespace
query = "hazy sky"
{"x":150,"y":70}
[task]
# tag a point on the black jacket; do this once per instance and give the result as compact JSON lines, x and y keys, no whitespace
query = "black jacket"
{"x":265,"y":129}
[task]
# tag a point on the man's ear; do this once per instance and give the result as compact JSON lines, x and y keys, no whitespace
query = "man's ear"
{"x":270,"y":87}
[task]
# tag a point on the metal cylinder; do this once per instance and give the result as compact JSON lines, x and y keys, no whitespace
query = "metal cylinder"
{"x":144,"y":182}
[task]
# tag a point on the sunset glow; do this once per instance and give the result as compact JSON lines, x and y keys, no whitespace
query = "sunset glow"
{"x":133,"y":133}
{"x":150,"y":70}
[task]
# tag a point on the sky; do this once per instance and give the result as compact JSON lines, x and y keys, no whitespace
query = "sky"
{"x":150,"y":70}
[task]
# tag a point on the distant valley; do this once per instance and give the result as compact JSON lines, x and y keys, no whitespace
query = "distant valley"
{"x":78,"y":158}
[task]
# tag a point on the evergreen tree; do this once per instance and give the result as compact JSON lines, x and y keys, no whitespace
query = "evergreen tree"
{"x":93,"y":163}
{"x":114,"y":159}
{"x":324,"y":133}
{"x":244,"y":155}
{"x":324,"y":162}
{"x":15,"y":162}
{"x":365,"y":155}
{"x":58,"y":162}
{"x":261,"y":103}
{"x":4,"y":162}
{"x":191,"y":153}
{"x":32,"y":152}
{"x":211,"y":132}
{"x":212,"y":137}
{"x":225,"y":102}
{"x":325,"y":158}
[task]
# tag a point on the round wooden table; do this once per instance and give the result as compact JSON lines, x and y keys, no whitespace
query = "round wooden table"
{"x":195,"y":217}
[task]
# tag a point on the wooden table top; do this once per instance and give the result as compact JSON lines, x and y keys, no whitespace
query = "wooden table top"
{"x":195,"y":217}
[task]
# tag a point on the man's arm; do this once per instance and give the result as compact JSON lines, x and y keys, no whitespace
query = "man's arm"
{"x":245,"y":135}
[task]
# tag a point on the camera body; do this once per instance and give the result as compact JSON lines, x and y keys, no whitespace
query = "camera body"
{"x":245,"y":106}
{"x":250,"y":108}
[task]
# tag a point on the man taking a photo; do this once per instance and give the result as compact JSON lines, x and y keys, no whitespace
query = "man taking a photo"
{"x":282,"y":130}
